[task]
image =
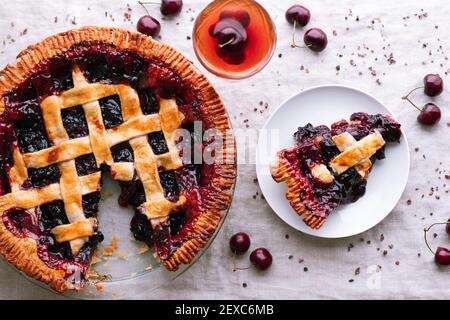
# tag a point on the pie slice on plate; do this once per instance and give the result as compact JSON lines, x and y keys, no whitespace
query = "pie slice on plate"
{"x":329,"y":167}
{"x":98,"y":101}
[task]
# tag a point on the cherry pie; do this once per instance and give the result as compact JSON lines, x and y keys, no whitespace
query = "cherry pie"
{"x":329,"y":167}
{"x":96,"y":100}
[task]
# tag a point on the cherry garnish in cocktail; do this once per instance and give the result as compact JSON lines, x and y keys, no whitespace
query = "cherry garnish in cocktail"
{"x":234,"y":39}
{"x":231,"y":37}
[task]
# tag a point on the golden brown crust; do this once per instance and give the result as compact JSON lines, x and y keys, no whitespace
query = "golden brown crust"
{"x":283,"y":171}
{"x":343,"y":142}
{"x":75,"y":230}
{"x":358,"y":152}
{"x":161,"y":208}
{"x":205,"y":226}
{"x":321,"y":174}
{"x":23,"y":252}
{"x":123,"y":171}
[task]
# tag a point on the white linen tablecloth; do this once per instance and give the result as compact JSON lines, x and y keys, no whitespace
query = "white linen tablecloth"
{"x":383,"y":47}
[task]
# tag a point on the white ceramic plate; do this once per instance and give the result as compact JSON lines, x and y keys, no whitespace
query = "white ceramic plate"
{"x":325,"y":105}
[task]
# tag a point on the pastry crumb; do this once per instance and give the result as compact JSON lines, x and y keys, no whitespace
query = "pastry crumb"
{"x":149,"y":268}
{"x":99,"y":287}
{"x":143,"y":249}
{"x":106,"y":194}
{"x":121,"y":255}
{"x":109,"y":251}
{"x":95,"y":278}
{"x":95,"y":260}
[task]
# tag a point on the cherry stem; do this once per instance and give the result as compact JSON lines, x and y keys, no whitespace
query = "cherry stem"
{"x":221,"y":45}
{"x":293,"y":44}
{"x":409,"y":100}
{"x":235,"y":268}
{"x":428,"y":229}
{"x":148,"y":2}
{"x":142,"y":3}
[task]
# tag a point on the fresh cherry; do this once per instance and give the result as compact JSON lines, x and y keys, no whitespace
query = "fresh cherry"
{"x":149,"y":26}
{"x":167,"y":8}
{"x":433,"y":85}
{"x":211,"y":29}
{"x":442,"y":256}
{"x":315,"y":39}
{"x":447,"y":228}
{"x":232,"y":57}
{"x":241,"y":16}
{"x":261,"y":258}
{"x":298,"y":15}
{"x":230,"y":34}
{"x":429,"y":115}
{"x":240,"y":242}
{"x":231,"y":40}
{"x":171,"y":7}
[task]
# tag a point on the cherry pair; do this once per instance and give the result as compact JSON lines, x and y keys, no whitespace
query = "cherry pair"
{"x":261,"y":257}
{"x":149,"y":25}
{"x":430,"y":114}
{"x":315,"y":39}
{"x":442,"y":255}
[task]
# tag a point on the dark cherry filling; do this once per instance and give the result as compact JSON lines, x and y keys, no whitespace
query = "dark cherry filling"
{"x":177,"y":221}
{"x":22,"y":124}
{"x":132,"y":193}
{"x":149,"y":101}
{"x":86,"y":164}
{"x":53,"y":214}
{"x":315,"y":146}
{"x":6,"y":141}
{"x":20,"y":223}
{"x":74,"y":122}
{"x":188,"y":177}
{"x":191,"y":144}
{"x":142,"y":228}
{"x":122,"y":152}
{"x":105,"y":64}
{"x":158,"y":142}
{"x":111,"y":111}
{"x":168,"y":181}
{"x":167,"y":237}
{"x":90,"y":204}
{"x":170,"y":235}
{"x":29,"y":126}
{"x":44,"y":176}
{"x":54,"y":77}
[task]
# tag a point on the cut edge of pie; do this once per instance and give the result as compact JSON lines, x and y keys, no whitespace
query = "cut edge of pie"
{"x":22,"y":252}
{"x":283,"y":171}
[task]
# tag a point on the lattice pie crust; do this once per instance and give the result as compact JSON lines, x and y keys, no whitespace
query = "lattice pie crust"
{"x":22,"y":251}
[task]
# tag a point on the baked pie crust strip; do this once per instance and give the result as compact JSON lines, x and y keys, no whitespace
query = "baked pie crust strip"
{"x":357,"y":153}
{"x":157,"y":208}
{"x":345,"y":141}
